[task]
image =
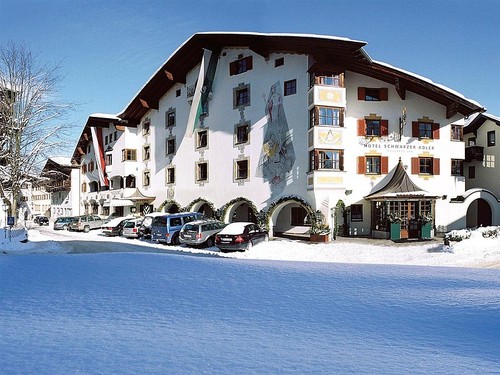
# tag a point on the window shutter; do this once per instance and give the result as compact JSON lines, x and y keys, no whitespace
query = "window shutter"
{"x":384,"y":94}
{"x":435,"y":131}
{"x":361,"y":127}
{"x":361,"y":165}
{"x":384,"y":164}
{"x":316,"y":116}
{"x":435,"y":166}
{"x":249,"y":63}
{"x":341,"y":160}
{"x":384,"y":127}
{"x":361,"y":93}
{"x":415,"y":166}
{"x":341,"y":118}
{"x":414,"y":129}
{"x":232,"y":68}
{"x":316,"y":160}
{"x":461,"y":133}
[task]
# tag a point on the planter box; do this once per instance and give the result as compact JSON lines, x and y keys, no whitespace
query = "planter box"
{"x":395,"y":231}
{"x":319,"y":237}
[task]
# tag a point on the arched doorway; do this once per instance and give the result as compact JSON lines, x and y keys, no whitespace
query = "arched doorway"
{"x":479,"y":214}
{"x":290,"y":217}
{"x":241,"y":210}
{"x":204,"y":207}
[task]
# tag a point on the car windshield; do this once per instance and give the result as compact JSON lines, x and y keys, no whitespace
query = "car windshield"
{"x":191,"y":227}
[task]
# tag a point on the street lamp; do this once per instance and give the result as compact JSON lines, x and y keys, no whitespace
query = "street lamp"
{"x":5,"y":207}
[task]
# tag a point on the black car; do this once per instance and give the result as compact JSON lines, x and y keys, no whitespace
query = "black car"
{"x":240,"y":236}
{"x":41,"y":220}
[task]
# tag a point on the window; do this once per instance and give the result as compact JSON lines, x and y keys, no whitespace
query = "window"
{"x":146,"y":153}
{"x":170,"y":175}
{"x":241,"y":96}
{"x":373,"y":126}
{"x":425,"y":166}
{"x":201,"y":139}
{"x":146,"y":128}
{"x":129,"y":154}
{"x":84,"y":187}
{"x":279,"y":62}
{"x":457,"y":167}
{"x":425,"y":129}
{"x":106,"y":140}
{"x":84,"y":168}
{"x":130,"y":182}
{"x":457,"y":133}
{"x":241,"y":134}
{"x":290,"y":87}
{"x":170,"y":118}
{"x":116,"y":136}
{"x":201,"y":172}
{"x":356,"y":212}
{"x":240,"y":66}
{"x":368,"y":94}
{"x":178,"y":92}
{"x":327,"y":79}
{"x":472,"y":171}
{"x":326,"y":116}
{"x":327,"y":160}
{"x":170,"y":146}
{"x":471,"y":141}
{"x":241,"y":169}
{"x":109,"y":159}
{"x":91,"y":166}
{"x":146,"y":178}
{"x":373,"y":165}
{"x":491,"y":138}
{"x":489,"y":161}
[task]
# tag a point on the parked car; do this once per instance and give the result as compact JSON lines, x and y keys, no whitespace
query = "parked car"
{"x":41,"y":220}
{"x":240,"y":236}
{"x":131,"y":228}
{"x":165,"y":229}
{"x":86,"y":223}
{"x":63,"y":222}
{"x":115,"y":226}
{"x":145,"y":227}
{"x":200,"y":232}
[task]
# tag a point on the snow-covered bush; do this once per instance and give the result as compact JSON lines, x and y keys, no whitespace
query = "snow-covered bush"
{"x":458,"y":235}
{"x":490,"y":232}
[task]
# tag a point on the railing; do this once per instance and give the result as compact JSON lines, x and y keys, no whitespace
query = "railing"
{"x":474,"y":153}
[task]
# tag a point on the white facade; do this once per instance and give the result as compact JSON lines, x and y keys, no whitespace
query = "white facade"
{"x":293,"y":161}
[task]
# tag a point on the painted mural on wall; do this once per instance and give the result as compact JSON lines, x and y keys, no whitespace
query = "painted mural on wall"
{"x":277,"y":155}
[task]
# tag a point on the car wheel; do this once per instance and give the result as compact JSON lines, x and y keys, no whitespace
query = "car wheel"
{"x":65,"y":227}
{"x":86,"y":229}
{"x":209,"y":242}
{"x":175,"y":239}
{"x":250,"y":245}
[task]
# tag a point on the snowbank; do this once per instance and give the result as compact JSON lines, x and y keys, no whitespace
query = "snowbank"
{"x":478,"y":249}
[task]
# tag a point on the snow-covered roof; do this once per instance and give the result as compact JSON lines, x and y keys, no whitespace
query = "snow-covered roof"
{"x":61,"y":160}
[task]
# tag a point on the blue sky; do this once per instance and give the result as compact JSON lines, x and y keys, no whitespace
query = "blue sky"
{"x":109,"y":49}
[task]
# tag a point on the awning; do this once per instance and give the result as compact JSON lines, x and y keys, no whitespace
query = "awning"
{"x":122,"y":202}
{"x":400,"y":186}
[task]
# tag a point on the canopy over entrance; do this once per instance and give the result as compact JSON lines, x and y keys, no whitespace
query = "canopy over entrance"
{"x":400,"y":186}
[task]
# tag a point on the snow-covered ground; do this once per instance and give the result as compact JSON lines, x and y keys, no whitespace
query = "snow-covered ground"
{"x":78,"y":303}
{"x":476,"y":251}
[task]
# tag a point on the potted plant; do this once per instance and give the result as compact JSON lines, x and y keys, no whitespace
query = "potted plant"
{"x":426,"y":221}
{"x":319,"y":232}
{"x":395,"y":222}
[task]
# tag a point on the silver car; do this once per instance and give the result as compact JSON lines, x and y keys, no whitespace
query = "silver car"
{"x":85,"y":223}
{"x":200,"y":232}
{"x":131,"y":228}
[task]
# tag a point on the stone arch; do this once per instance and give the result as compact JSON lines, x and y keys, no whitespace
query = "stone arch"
{"x":279,"y":213}
{"x":239,"y":209}
{"x":481,"y":208}
{"x":203,"y":206}
{"x":170,"y":206}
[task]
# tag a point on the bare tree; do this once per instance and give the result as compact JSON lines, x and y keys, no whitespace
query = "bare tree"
{"x":30,"y":118}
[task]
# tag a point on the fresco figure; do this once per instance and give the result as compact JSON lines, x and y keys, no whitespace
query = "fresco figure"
{"x":277,"y":155}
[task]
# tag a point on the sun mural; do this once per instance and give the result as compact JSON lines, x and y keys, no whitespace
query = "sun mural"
{"x":277,"y":155}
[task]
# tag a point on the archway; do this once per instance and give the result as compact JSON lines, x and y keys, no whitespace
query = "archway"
{"x":479,"y":214}
{"x":202,"y":206}
{"x":170,"y":207}
{"x":290,"y":217}
{"x":239,"y":209}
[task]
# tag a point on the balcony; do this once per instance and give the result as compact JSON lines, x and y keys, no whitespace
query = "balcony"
{"x":474,"y":153}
